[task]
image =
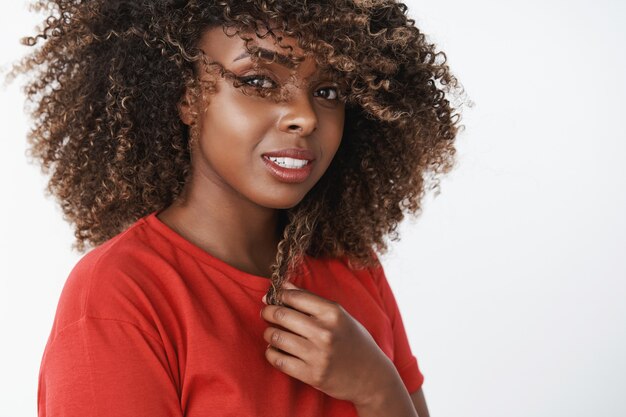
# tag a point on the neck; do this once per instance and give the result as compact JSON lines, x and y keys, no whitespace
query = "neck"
{"x":229,"y":227}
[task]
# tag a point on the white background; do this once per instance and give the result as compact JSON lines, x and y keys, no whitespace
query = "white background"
{"x":512,"y":283}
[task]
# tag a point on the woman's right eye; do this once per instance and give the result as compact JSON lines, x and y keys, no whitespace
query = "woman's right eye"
{"x":250,"y":80}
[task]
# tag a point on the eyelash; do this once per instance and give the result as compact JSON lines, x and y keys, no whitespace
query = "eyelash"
{"x":264,"y":77}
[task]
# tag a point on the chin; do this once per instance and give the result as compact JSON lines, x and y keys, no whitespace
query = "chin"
{"x":281,"y":202}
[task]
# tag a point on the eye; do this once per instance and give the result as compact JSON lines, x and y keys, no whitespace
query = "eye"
{"x":250,"y":80}
{"x":333,"y":95}
{"x":264,"y":82}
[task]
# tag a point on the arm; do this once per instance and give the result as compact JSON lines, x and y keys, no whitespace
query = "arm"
{"x":102,"y":367}
{"x":393,"y":401}
{"x":410,"y":373}
{"x":419,"y":402}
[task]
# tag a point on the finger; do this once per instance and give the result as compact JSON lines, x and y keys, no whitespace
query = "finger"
{"x":288,"y":342}
{"x":306,"y":302}
{"x":286,"y":363}
{"x":288,"y":285}
{"x":290,"y":319}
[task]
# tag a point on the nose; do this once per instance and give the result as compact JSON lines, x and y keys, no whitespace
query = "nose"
{"x":300,"y":116}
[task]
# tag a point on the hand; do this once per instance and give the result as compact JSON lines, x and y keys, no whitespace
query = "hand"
{"x":322,"y":345}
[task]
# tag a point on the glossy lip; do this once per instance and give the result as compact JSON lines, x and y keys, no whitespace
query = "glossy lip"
{"x":296,"y":153}
{"x":288,"y":175}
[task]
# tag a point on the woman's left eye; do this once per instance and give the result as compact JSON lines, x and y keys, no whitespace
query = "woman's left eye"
{"x":334,"y":93}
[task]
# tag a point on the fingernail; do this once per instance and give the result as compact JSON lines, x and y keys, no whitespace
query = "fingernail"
{"x":264,"y":299}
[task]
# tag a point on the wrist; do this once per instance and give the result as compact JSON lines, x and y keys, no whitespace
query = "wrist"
{"x":388,"y":397}
{"x":374,"y":387}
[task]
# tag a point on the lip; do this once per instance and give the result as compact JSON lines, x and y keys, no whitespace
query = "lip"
{"x":296,"y":153}
{"x":288,"y":175}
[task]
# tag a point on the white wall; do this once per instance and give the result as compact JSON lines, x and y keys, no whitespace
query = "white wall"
{"x":512,"y":283}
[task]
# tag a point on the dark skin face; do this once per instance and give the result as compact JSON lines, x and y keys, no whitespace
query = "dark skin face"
{"x":229,"y":206}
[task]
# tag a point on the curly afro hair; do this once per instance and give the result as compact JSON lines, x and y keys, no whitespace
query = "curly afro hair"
{"x":105,"y":83}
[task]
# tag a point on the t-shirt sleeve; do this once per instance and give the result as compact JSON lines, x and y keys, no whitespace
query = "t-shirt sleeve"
{"x":101,"y":367}
{"x":404,"y":360}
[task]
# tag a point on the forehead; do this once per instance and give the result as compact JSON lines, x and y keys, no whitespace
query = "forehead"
{"x":229,"y":48}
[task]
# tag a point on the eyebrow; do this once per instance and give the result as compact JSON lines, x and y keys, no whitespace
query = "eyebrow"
{"x":269,"y":54}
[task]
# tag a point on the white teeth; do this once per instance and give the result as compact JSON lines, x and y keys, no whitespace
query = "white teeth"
{"x":289,"y":162}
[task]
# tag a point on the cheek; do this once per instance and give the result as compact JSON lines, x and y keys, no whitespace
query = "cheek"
{"x":333,"y":134}
{"x":235,"y":122}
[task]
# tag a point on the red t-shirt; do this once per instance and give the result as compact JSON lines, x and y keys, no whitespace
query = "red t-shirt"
{"x":148,"y":324}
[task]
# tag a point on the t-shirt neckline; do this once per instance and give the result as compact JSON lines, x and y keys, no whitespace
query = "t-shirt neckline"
{"x":255,"y":282}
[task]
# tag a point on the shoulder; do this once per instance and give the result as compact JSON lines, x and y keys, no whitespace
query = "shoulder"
{"x":365,"y":273}
{"x":346,"y":276}
{"x":110,"y":281}
{"x":344,"y":263}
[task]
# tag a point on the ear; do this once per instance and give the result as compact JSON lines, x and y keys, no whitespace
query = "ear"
{"x":184,"y":108}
